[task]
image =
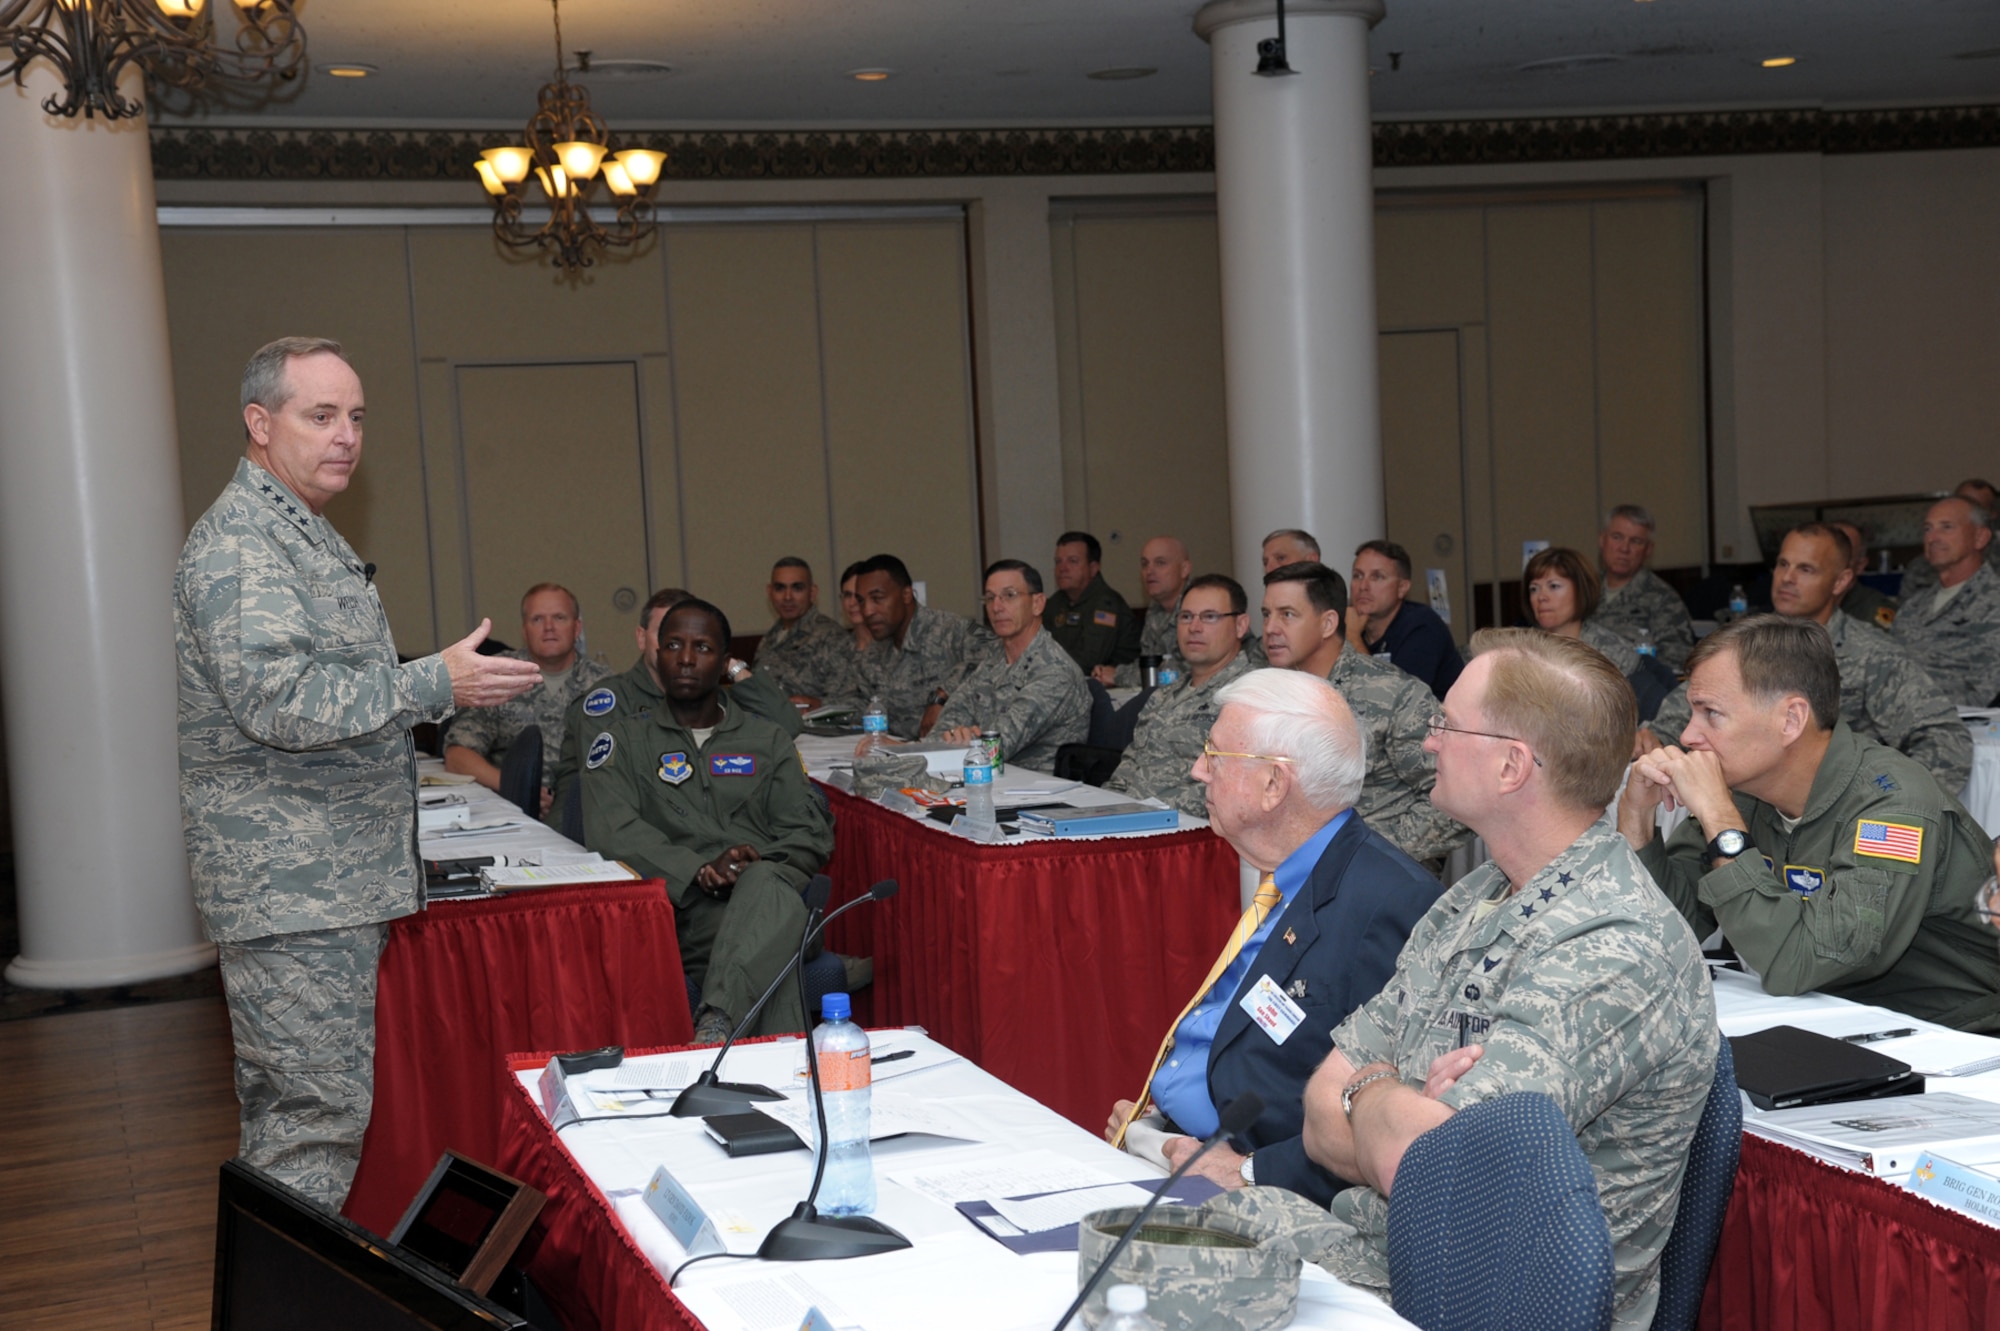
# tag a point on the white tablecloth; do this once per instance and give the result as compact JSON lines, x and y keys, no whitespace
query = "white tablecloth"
{"x":955,"y":1275}
{"x":1981,"y":796}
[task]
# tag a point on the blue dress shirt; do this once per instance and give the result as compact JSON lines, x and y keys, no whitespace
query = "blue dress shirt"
{"x":1180,"y":1088}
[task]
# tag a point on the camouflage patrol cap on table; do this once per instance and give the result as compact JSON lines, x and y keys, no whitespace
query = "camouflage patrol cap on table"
{"x":1202,"y":1269}
{"x":886,"y":769}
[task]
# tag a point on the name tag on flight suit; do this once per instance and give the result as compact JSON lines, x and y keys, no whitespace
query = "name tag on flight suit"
{"x":1272,"y":1009}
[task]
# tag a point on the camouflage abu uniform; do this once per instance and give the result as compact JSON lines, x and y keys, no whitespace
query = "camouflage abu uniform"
{"x":1884,"y":696}
{"x":636,"y":693}
{"x":938,"y":648}
{"x":1648,"y":602}
{"x":489,"y":731}
{"x":1873,"y":896}
{"x":1958,"y":643}
{"x":1038,"y":703}
{"x":1097,"y":628}
{"x":665,"y":804}
{"x":298,"y":797}
{"x":1610,"y":646}
{"x":814,"y":658}
{"x":1920,"y":575}
{"x":1585,"y":986}
{"x":1172,"y":729}
{"x":1394,"y":710}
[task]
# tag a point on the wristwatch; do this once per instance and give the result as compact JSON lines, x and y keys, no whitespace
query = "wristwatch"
{"x":737,"y":670}
{"x":1354,"y":1088}
{"x":1249,"y":1170}
{"x":1728,"y":844}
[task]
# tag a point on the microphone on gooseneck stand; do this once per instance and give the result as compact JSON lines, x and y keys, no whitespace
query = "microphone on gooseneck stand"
{"x":1236,"y":1116}
{"x":805,"y":1235}
{"x":710,"y":1096}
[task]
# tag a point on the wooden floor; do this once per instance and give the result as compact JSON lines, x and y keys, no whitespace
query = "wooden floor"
{"x":109,"y":1146}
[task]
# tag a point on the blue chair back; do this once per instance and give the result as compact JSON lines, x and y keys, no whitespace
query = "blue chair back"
{"x":1710,"y":1178}
{"x":1494,"y":1224}
{"x":521,"y":772}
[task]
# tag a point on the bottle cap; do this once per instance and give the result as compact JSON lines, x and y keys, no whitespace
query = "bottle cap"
{"x":1125,"y":1299}
{"x":835,"y":1007}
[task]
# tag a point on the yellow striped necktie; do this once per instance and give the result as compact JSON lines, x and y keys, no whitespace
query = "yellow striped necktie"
{"x":1261,"y":906}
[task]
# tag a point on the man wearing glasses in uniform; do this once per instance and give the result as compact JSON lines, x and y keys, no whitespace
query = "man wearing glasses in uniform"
{"x":1033,"y":693}
{"x":1174,"y":723}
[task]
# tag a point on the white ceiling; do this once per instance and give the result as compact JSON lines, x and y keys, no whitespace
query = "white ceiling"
{"x":743,"y":63}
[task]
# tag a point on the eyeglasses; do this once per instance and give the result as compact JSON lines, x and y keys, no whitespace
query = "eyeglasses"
{"x":1437,"y":726}
{"x":1210,"y":752}
{"x":1009,"y":596}
{"x":1209,"y":618}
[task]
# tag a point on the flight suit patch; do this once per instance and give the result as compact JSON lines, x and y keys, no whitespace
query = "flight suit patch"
{"x":1107,"y":618}
{"x":1803,"y":879}
{"x":599,"y":701}
{"x":675,"y":768}
{"x":732,"y":764}
{"x":600,"y":752}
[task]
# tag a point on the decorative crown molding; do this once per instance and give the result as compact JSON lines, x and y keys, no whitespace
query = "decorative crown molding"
{"x":318,"y":154}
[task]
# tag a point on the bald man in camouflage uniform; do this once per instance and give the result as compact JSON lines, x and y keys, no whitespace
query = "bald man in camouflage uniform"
{"x":803,"y":652}
{"x":1555,"y":967}
{"x":1173,"y":726}
{"x":1163,"y":569}
{"x":298,"y":778}
{"x":1953,"y":627}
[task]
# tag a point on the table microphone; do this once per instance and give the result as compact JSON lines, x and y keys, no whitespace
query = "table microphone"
{"x":805,"y":1235}
{"x":1236,"y":1117}
{"x":710,"y":1096}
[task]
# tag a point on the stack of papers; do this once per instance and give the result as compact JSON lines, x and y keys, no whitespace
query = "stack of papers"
{"x":1942,"y":1053}
{"x":1884,"y":1136}
{"x":501,"y":878}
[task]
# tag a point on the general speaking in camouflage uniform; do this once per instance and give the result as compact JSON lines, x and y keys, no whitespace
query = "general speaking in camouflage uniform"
{"x":714,"y":801}
{"x":297,"y":775}
{"x":1636,"y":602}
{"x":1954,"y":630}
{"x":1884,"y":694}
{"x":637,"y":692}
{"x":1163,"y":569}
{"x":1871,"y":894}
{"x":1089,"y":619}
{"x":1173,"y":725}
{"x":803,"y":652}
{"x":918,"y":652}
{"x":1032,"y":693}
{"x":1305,"y":608}
{"x":477,"y":740}
{"x":1556,"y":967}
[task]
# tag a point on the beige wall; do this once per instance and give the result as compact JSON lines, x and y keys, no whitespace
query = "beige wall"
{"x":730,"y":394}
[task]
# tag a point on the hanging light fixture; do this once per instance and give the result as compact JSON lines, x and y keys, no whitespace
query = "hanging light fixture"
{"x":174,"y":41}
{"x":566,"y":154}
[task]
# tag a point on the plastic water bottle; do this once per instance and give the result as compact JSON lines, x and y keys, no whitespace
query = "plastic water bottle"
{"x":1127,"y":1306}
{"x":979,"y":788}
{"x":1739,"y":602}
{"x":844,"y":1076}
{"x":874,"y":726}
{"x":1169,"y":675}
{"x":1645,"y":645}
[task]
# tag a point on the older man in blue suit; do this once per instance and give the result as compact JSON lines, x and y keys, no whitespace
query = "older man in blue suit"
{"x":1281,"y":770}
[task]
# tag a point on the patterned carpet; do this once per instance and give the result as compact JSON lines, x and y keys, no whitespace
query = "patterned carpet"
{"x":16,"y":1002}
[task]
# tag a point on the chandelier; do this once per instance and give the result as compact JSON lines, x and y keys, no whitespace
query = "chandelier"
{"x":567,"y":145}
{"x":174,"y":41}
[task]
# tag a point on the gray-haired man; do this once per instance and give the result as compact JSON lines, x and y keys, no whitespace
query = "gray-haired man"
{"x":298,"y":778}
{"x":1637,"y":604}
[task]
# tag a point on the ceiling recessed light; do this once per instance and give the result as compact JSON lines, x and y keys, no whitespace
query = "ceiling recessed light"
{"x":1122,"y":72}
{"x":868,"y":75}
{"x":1780,"y":61}
{"x":349,"y":70}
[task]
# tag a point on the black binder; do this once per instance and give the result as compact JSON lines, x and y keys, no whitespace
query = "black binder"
{"x":1785,"y":1067}
{"x":752,"y":1133}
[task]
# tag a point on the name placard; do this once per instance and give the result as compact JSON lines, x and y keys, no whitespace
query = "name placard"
{"x":556,"y":1104}
{"x":1954,"y":1185}
{"x":815,"y":1321}
{"x":682,"y":1215}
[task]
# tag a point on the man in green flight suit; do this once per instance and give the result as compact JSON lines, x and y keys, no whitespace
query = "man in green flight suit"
{"x":637,"y":692}
{"x":715,"y":801}
{"x":1831,"y":862}
{"x":1086,"y":617}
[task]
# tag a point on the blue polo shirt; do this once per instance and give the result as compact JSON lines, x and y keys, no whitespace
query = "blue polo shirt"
{"x":1180,"y":1087}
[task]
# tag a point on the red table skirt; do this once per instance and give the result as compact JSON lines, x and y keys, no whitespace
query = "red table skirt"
{"x":1055,"y":966}
{"x":1809,"y":1247}
{"x":466,"y":983}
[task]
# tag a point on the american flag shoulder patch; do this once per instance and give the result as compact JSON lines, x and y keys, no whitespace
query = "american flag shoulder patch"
{"x":1889,"y":841}
{"x":1108,"y":618}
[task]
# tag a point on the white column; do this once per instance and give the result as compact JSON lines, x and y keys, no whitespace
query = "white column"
{"x":90,"y":529}
{"x":1295,"y":209}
